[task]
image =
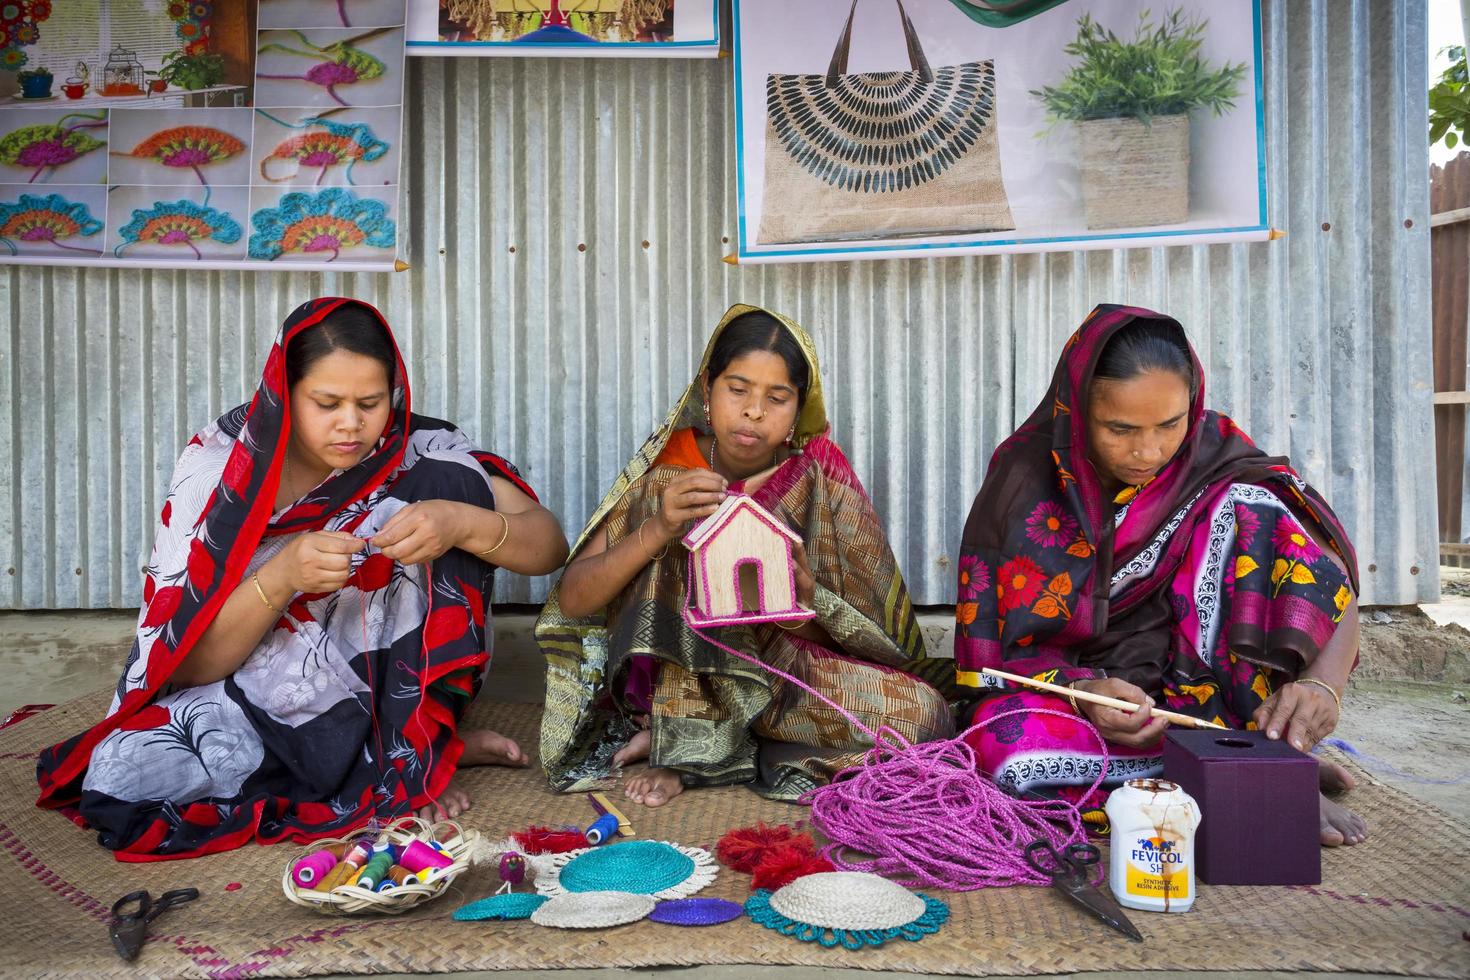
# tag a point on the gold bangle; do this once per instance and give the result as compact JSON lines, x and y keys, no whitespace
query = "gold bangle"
{"x":503,"y":535}
{"x":255,"y":578}
{"x":1072,"y":697}
{"x":790,"y":629}
{"x":641,"y":544}
{"x":1326,"y":687}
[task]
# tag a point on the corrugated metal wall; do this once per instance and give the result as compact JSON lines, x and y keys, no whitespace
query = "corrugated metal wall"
{"x":566,"y":222}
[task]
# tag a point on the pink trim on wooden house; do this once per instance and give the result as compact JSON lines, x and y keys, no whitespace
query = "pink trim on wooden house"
{"x":703,"y":577}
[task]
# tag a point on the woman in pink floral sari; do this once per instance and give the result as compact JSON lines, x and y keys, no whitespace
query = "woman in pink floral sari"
{"x":1129,"y":542}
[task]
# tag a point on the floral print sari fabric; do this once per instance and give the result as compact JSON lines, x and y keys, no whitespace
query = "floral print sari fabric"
{"x":1206,"y":586}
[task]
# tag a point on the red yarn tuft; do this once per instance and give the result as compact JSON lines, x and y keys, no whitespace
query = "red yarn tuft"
{"x":784,"y":864}
{"x":743,"y":849}
{"x":546,"y":840}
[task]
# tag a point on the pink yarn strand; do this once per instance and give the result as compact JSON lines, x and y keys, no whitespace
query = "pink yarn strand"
{"x":925,"y":816}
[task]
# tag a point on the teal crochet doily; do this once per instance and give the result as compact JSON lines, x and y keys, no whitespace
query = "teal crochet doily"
{"x":642,"y":867}
{"x":509,"y":905}
{"x":758,"y":907}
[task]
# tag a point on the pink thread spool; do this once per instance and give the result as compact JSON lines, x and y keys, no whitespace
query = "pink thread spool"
{"x":418,"y":856}
{"x":361,"y":853}
{"x":312,"y":868}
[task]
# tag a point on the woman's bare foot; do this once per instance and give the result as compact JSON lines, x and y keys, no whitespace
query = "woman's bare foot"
{"x":1340,"y":826}
{"x":636,"y":750}
{"x":482,"y":747}
{"x":450,"y":804}
{"x":653,"y":787}
{"x":1334,"y":777}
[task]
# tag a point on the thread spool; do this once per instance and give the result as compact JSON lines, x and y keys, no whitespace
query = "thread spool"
{"x":400,"y":875}
{"x":602,"y":828}
{"x":418,"y":856}
{"x":374,"y":871}
{"x":387,"y":884}
{"x":386,"y":847}
{"x":339,"y":875}
{"x":310,"y":869}
{"x":360,"y":854}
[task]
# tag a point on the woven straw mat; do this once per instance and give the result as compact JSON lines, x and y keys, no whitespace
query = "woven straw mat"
{"x":1398,"y":904}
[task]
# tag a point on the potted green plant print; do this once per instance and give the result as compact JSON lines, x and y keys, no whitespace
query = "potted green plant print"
{"x":35,"y":83}
{"x":192,"y":71}
{"x":1131,"y":101}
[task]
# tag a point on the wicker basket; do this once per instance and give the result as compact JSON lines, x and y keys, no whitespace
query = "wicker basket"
{"x":352,"y":900}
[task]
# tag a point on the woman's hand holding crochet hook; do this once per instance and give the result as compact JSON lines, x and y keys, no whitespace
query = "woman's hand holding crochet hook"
{"x":1135,"y":729}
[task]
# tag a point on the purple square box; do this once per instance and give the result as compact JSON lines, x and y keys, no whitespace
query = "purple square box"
{"x":1259,"y":803}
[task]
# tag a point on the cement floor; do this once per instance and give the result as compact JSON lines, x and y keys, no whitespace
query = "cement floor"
{"x":1421,"y":729}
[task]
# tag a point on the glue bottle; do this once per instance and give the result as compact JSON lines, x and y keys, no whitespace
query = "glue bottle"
{"x":1151,"y":860}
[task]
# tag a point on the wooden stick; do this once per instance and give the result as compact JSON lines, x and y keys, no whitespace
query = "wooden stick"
{"x":1121,"y":705}
{"x":602,"y":804}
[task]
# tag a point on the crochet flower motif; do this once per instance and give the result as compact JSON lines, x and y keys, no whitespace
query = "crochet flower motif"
{"x":181,"y":223}
{"x":35,"y":220}
{"x":191,"y":23}
{"x":332,"y":144}
{"x":189,"y":148}
{"x":320,"y":222}
{"x":18,"y":20}
{"x":339,"y":63}
{"x":50,"y":145}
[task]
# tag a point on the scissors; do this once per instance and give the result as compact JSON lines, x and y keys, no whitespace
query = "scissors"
{"x":129,"y":927}
{"x":1071,"y":872}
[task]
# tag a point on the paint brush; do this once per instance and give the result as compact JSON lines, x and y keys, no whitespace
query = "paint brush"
{"x":1128,"y":706}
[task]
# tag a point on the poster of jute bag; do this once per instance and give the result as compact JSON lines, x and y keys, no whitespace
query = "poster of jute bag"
{"x":882,"y":154}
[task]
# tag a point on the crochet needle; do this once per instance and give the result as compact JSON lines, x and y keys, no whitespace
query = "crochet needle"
{"x":1121,"y":705}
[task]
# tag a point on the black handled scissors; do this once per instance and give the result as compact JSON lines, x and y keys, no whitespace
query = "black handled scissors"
{"x":1071,"y":872}
{"x":132,"y":913}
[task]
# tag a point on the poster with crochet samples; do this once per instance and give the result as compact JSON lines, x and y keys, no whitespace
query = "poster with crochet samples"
{"x":565,"y":28}
{"x":932,"y":128}
{"x":279,"y":146}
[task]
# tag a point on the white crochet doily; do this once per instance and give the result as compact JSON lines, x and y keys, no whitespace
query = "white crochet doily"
{"x":851,"y":900}
{"x":593,"y":910}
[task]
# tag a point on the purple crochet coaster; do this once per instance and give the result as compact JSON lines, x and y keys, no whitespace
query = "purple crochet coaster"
{"x":696,"y":912}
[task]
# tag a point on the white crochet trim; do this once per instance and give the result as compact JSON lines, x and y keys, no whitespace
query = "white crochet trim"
{"x":548,"y":872}
{"x":850,"y":900}
{"x":593,"y":910}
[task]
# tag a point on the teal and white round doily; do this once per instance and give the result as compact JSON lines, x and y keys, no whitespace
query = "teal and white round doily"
{"x":847,"y":908}
{"x":642,"y":867}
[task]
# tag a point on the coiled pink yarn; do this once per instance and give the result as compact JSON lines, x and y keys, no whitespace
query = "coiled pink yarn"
{"x":926,"y":815}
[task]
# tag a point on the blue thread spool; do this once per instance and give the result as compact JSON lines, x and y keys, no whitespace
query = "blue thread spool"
{"x":602,"y":828}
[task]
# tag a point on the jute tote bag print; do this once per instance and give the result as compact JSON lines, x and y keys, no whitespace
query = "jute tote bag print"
{"x":882,"y":154}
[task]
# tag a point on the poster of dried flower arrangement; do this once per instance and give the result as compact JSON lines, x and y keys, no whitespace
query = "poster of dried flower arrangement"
{"x":881,"y":129}
{"x":565,"y":28}
{"x":277,"y":143}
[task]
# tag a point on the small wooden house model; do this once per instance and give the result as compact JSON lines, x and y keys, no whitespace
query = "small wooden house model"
{"x":741,"y":568}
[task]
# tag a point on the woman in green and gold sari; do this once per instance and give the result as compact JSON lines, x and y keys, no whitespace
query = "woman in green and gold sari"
{"x":628,"y":680}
